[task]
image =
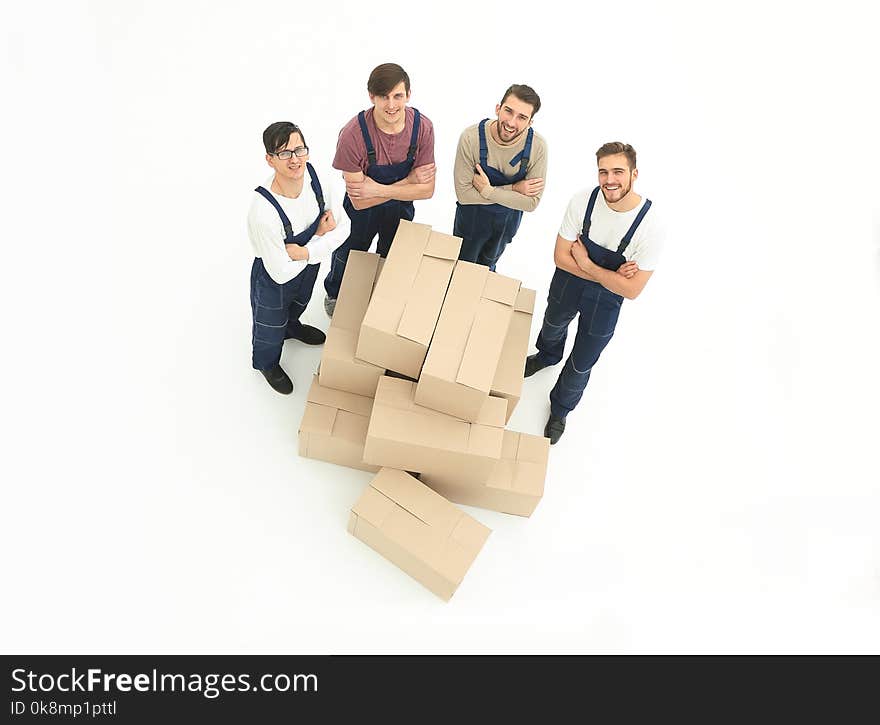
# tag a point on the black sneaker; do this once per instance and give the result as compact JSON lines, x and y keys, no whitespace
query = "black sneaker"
{"x":554,"y":428}
{"x":329,"y":305}
{"x":533,"y":365}
{"x":310,"y":335}
{"x":278,"y":379}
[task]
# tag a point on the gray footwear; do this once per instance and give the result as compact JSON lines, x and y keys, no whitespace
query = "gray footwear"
{"x":329,"y":305}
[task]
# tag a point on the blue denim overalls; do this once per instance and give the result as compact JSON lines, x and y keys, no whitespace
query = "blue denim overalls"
{"x":276,"y":308}
{"x":487,"y":229}
{"x":599,"y":309}
{"x":382,"y":219}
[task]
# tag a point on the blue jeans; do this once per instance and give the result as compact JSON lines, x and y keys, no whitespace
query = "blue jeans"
{"x":366,"y":224}
{"x":276,"y":309}
{"x":485,"y":231}
{"x":598,"y":310}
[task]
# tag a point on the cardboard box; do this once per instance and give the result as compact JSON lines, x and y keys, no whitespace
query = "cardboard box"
{"x":340,"y":369}
{"x":410,"y":437}
{"x":418,"y":530}
{"x":467,"y":345}
{"x":515,"y":486}
{"x":508,"y":379}
{"x":334,"y":427}
{"x":403,"y":310}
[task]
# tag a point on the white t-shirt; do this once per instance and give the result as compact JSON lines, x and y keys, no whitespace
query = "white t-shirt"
{"x":608,"y":228}
{"x":266,"y":231}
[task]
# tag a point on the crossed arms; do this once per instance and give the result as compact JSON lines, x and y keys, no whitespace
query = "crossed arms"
{"x":472,"y":186}
{"x":364,"y":192}
{"x":628,"y":281}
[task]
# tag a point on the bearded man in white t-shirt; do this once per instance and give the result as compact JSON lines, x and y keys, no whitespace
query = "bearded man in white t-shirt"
{"x":606,"y":250}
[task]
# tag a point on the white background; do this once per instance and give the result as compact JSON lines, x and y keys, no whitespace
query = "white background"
{"x":717,"y":489}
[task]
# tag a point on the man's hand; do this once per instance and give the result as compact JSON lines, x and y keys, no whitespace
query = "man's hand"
{"x":422,"y":174}
{"x":297,"y":253}
{"x":529,"y":187}
{"x":327,"y":223}
{"x":366,"y":189}
{"x":481,"y":181}
{"x":581,"y":258}
{"x":628,"y":269}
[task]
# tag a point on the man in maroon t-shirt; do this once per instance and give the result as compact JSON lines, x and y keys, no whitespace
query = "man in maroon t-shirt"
{"x":386,"y":155}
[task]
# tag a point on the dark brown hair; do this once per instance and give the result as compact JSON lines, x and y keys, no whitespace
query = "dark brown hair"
{"x":617,"y":147}
{"x":526,"y":94}
{"x":385,"y":77}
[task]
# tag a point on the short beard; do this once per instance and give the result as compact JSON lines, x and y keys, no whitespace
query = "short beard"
{"x":625,"y":190}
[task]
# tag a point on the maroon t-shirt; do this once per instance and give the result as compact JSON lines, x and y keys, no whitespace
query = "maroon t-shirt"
{"x":351,"y":151}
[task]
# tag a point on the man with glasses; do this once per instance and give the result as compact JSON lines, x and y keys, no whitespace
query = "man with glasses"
{"x":499,"y":173}
{"x":606,"y":250}
{"x":292,"y":225}
{"x":386,"y":155}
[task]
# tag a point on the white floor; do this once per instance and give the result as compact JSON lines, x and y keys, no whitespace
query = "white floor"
{"x":717,"y":489}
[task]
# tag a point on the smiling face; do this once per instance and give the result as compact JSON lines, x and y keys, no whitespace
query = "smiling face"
{"x":390,"y":108}
{"x":514,"y":118}
{"x":615,"y":177}
{"x":293,"y":168}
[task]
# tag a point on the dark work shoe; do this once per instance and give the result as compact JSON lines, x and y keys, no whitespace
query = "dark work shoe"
{"x":533,"y":365}
{"x":329,"y":305}
{"x":310,"y":335}
{"x":554,"y":428}
{"x":278,"y":379}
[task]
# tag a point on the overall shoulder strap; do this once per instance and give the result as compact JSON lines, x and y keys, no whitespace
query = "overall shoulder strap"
{"x":627,"y":238}
{"x":288,"y":231}
{"x":523,"y":156}
{"x":368,"y":142}
{"x":484,"y":149}
{"x":316,"y":187}
{"x":414,"y":138}
{"x":585,"y":232}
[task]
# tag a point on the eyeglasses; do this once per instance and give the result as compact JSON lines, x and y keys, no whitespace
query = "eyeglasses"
{"x":286,"y":154}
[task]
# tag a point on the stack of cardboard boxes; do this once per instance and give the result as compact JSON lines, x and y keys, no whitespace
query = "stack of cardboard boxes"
{"x":422,"y":369}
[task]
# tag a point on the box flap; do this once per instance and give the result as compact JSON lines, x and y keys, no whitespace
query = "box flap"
{"x":528,"y":478}
{"x":462,"y":547}
{"x":523,"y":464}
{"x":415,"y":427}
{"x":455,"y":320}
{"x":373,"y":506}
{"x":493,"y":413}
{"x":510,"y":445}
{"x":470,"y":533}
{"x":525,"y":300}
{"x":397,"y":276}
{"x":501,"y":289}
{"x":424,"y":300}
{"x":357,"y":287}
{"x":532,"y":448}
{"x":318,"y":419}
{"x":413,"y":233}
{"x":395,"y":392}
{"x":443,"y":246}
{"x":353,"y":403}
{"x":485,"y":441}
{"x":400,"y":394}
{"x":484,"y":345}
{"x":341,"y":345}
{"x":350,"y":427}
{"x":416,"y":498}
{"x":416,"y":424}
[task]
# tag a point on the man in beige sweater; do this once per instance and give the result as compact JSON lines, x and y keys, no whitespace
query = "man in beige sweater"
{"x":499,"y":173}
